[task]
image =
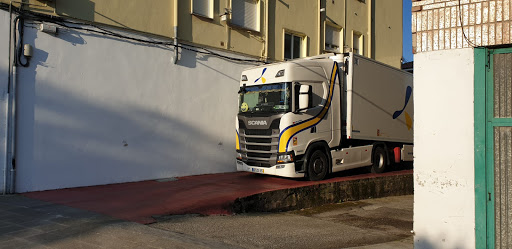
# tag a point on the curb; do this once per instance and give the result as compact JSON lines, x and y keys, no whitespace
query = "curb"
{"x":326,"y":193}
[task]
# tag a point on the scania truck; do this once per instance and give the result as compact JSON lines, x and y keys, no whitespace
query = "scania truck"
{"x":313,"y":116}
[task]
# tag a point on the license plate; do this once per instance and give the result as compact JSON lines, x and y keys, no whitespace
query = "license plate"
{"x":256,"y":170}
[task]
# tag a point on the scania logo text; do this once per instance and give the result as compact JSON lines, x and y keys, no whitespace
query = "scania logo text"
{"x":257,"y":122}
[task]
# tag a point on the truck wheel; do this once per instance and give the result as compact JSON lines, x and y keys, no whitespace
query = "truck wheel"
{"x":318,"y":166}
{"x":379,"y":160}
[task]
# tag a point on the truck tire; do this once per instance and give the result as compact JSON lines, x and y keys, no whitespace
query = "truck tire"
{"x":379,"y":160}
{"x":318,"y":166}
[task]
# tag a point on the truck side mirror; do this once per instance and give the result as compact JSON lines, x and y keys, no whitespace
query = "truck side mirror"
{"x":304,"y":97}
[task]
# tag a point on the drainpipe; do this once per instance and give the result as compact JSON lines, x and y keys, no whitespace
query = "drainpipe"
{"x":11,"y":116}
{"x":4,"y":191}
{"x":370,"y":28}
{"x":11,"y":129}
{"x":345,"y":28}
{"x":11,"y":110}
{"x":320,"y":26}
{"x":175,"y":21}
{"x":266,"y":32}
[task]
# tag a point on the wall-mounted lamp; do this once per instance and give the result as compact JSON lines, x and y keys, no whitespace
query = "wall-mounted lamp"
{"x":322,"y":10}
{"x":49,"y":29}
{"x":28,"y":51}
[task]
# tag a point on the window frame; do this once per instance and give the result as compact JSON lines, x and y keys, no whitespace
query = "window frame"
{"x":302,"y":44}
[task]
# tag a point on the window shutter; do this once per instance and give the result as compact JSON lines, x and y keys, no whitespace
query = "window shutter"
{"x":245,"y":14}
{"x":332,"y":38}
{"x":202,"y":7}
{"x":358,"y":44}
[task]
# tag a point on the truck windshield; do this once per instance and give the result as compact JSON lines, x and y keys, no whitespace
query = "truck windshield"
{"x":269,"y":98}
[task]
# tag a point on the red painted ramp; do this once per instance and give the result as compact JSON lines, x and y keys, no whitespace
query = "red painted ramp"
{"x":203,"y":194}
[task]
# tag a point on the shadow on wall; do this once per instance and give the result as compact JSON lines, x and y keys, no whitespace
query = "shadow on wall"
{"x":4,"y":73}
{"x":115,"y":143}
{"x":76,"y":38}
{"x":68,"y":135}
{"x":435,"y":243}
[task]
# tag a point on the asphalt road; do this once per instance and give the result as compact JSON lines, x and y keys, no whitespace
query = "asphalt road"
{"x":375,"y":223}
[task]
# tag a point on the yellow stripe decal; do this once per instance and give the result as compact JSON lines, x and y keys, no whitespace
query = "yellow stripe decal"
{"x":237,"y":141}
{"x":292,"y":130}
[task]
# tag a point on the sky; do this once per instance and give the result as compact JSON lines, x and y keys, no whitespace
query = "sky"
{"x":406,"y":31}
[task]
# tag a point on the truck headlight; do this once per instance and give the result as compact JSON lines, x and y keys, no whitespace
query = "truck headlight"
{"x":238,"y":155}
{"x":285,"y":158}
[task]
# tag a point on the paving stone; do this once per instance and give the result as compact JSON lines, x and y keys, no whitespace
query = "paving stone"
{"x":4,"y":224}
{"x":44,"y":225}
{"x":21,"y":243}
{"x":24,"y":211}
{"x":18,"y":219}
{"x":5,"y":237}
{"x":47,"y":238}
{"x":67,"y":221}
{"x":10,"y":229}
{"x":27,"y":232}
{"x":76,"y":245}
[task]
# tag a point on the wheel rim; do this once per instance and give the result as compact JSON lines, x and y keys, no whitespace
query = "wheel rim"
{"x":381,"y":161}
{"x":318,"y":166}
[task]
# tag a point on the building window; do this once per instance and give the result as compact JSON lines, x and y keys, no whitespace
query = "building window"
{"x":203,"y":8}
{"x":332,"y":38}
{"x":357,"y":43}
{"x":246,"y":14}
{"x":292,"y":46}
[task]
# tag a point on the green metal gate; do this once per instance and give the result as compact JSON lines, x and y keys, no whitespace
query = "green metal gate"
{"x":493,"y":148}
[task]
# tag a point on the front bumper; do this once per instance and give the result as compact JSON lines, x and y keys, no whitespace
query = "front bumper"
{"x":285,"y":169}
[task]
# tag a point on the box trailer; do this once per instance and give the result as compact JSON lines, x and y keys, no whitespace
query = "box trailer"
{"x":313,"y":116}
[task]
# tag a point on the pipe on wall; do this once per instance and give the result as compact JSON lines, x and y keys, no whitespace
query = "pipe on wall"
{"x":345,"y":28}
{"x":11,"y":105}
{"x":370,"y":28}
{"x":11,"y":139}
{"x":265,"y":55}
{"x":5,"y":164}
{"x":175,"y":23}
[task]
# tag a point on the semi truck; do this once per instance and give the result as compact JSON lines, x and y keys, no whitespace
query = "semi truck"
{"x":313,"y":116}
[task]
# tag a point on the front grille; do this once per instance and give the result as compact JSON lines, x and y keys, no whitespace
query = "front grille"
{"x":258,"y":155}
{"x":259,"y":146}
{"x":258,"y":132}
{"x":258,"y":163}
{"x":258,"y":140}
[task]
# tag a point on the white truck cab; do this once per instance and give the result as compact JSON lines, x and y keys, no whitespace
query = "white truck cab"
{"x":317,"y":115}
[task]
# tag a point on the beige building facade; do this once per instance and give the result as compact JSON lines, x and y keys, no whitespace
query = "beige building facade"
{"x":270,"y":30}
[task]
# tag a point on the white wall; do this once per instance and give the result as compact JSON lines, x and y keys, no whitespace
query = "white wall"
{"x":444,"y":195}
{"x":98,"y":110}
